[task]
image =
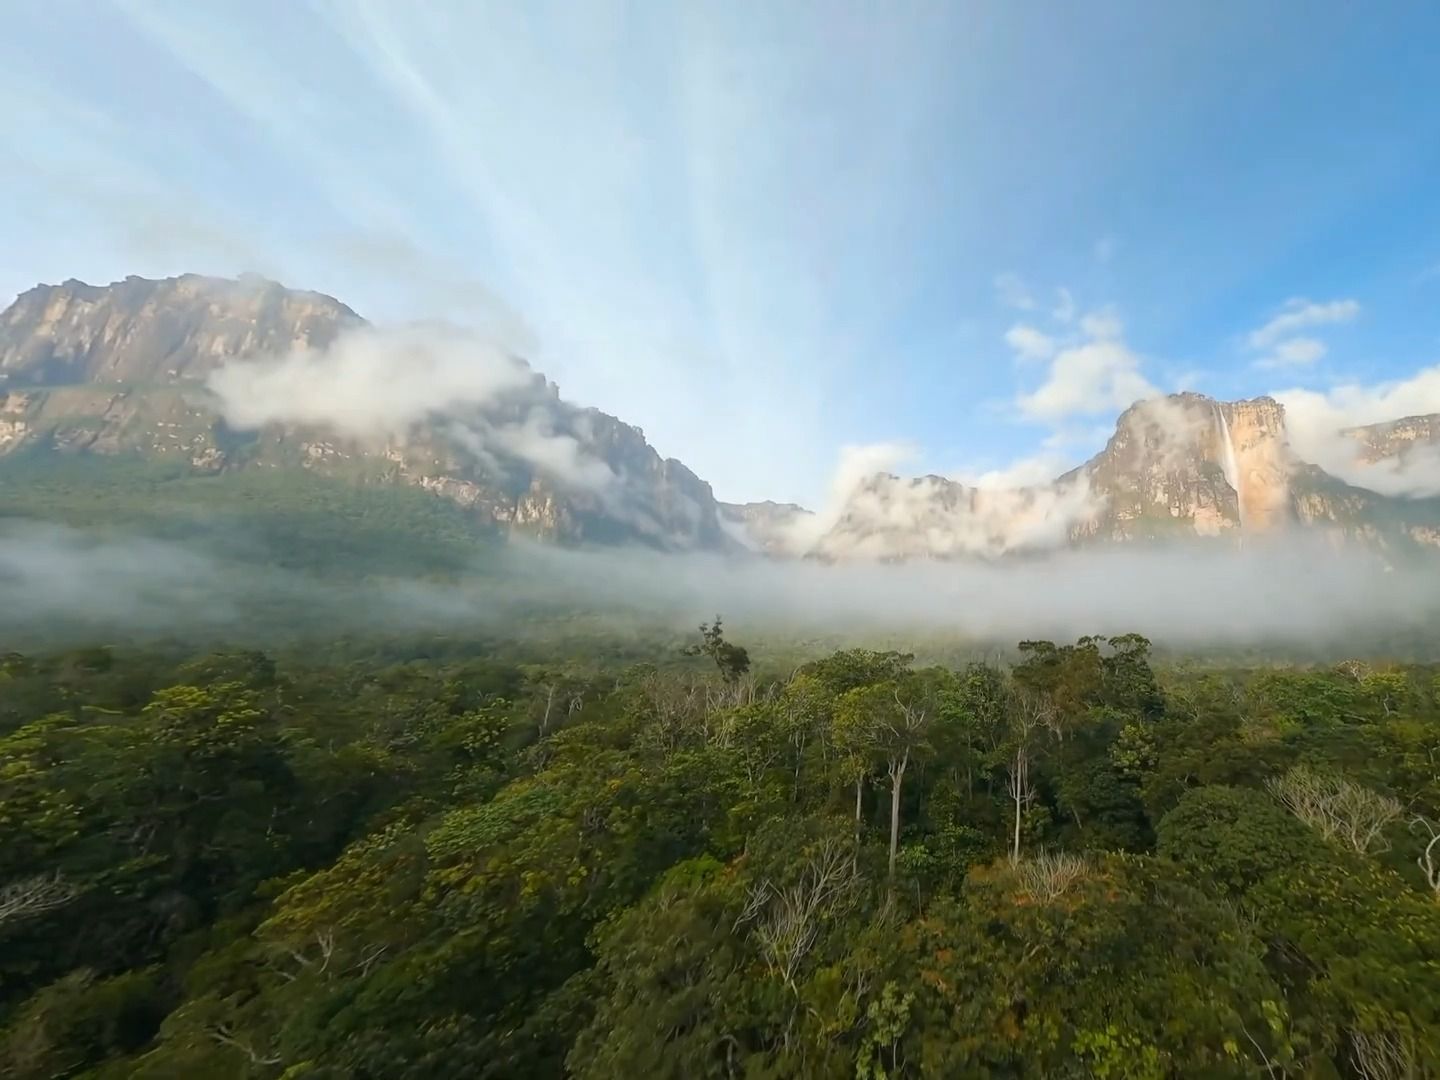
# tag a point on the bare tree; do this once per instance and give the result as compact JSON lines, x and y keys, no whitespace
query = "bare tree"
{"x":225,"y":1036}
{"x":1429,"y":858}
{"x":1342,"y":811}
{"x":1046,"y":877}
{"x":883,"y":722}
{"x":787,"y":919}
{"x":904,"y":727}
{"x":34,"y":896}
{"x":1382,"y":1055}
{"x":1357,"y":670}
{"x":1030,"y":714}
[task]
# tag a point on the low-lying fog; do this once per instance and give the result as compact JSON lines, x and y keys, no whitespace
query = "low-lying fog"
{"x":56,"y":581}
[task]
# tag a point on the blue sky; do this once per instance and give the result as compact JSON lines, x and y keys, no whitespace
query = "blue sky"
{"x":763,"y":232}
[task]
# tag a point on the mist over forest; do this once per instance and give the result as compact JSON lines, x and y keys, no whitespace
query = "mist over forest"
{"x":60,"y":583}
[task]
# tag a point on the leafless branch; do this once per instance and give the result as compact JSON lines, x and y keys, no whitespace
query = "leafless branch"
{"x":225,"y":1036}
{"x":1429,"y":858}
{"x":1340,"y":810}
{"x":1382,"y":1055}
{"x":1046,"y":877}
{"x":787,"y":920}
{"x":34,"y":896}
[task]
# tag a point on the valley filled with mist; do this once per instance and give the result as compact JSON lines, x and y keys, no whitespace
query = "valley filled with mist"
{"x":238,"y":460}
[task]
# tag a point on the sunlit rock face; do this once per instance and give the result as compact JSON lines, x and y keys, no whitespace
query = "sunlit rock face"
{"x":139,"y":330}
{"x":1187,"y":464}
{"x":1262,"y":463}
{"x":130,"y":368}
{"x":123,"y":369}
{"x":1396,"y":438}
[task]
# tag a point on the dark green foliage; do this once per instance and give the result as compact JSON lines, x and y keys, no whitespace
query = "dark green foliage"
{"x":436,"y":862}
{"x":731,"y":660}
{"x":283,"y":517}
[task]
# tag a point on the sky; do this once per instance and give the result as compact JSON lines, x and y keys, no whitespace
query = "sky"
{"x":969,"y":233}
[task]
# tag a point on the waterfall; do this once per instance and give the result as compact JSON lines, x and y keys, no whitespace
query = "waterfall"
{"x":1229,"y":464}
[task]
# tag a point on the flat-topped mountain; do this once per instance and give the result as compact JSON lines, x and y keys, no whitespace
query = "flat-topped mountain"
{"x":218,"y":375}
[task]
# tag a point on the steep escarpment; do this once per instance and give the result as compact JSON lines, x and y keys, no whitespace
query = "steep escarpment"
{"x":144,"y":331}
{"x":772,"y":527}
{"x":1182,"y":467}
{"x":129,"y":368}
{"x":1192,"y":465}
{"x":216,"y":377}
{"x":1397,"y":438}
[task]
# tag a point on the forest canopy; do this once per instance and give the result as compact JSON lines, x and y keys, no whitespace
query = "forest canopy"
{"x":1076,"y":864}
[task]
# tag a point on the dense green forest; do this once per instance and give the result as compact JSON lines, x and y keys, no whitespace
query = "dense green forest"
{"x":287,"y":518}
{"x":1078,"y":864}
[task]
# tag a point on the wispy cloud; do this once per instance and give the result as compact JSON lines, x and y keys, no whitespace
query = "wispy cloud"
{"x":1294,"y":352}
{"x":1279,"y":341}
{"x":1317,"y":422}
{"x":1013,"y":292}
{"x":1030,"y":343}
{"x":1297,"y":314}
{"x":670,"y":205}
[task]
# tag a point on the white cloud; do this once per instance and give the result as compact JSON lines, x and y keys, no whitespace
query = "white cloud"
{"x":857,"y":465}
{"x":1105,"y":249}
{"x":930,"y":517}
{"x":1089,"y":377}
{"x":1023,"y":472}
{"x":1316,"y":423}
{"x":369,"y":382}
{"x":1013,"y":292}
{"x":372,"y":385}
{"x":1293,"y":352}
{"x":679,"y":203}
{"x":1299,"y":313}
{"x":1030,"y":343}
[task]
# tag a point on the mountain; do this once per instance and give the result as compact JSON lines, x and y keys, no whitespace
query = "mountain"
{"x":229,"y":378}
{"x":1182,"y":466}
{"x":144,"y":332}
{"x":130,"y":369}
{"x":769,"y":527}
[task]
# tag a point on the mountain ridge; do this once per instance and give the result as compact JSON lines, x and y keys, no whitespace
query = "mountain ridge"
{"x":135,"y":366}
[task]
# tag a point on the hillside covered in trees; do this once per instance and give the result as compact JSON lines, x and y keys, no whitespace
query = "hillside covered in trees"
{"x":234,"y":865}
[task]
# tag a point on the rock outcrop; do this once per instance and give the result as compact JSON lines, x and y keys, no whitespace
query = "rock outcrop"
{"x":127,"y":369}
{"x":1179,"y":467}
{"x":1189,"y":464}
{"x":122,"y":369}
{"x":1397,"y":438}
{"x":144,"y":331}
{"x":771,"y":527}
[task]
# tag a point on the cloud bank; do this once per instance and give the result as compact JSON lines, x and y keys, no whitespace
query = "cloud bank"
{"x":76,"y":586}
{"x":1318,"y":423}
{"x":379,"y":384}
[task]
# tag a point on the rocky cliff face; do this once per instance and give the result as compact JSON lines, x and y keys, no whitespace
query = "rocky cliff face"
{"x":930,"y":517}
{"x":1179,"y":467}
{"x":1189,"y":464}
{"x":1397,"y":438}
{"x":142,"y":331}
{"x":771,"y":527}
{"x":122,"y":369}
